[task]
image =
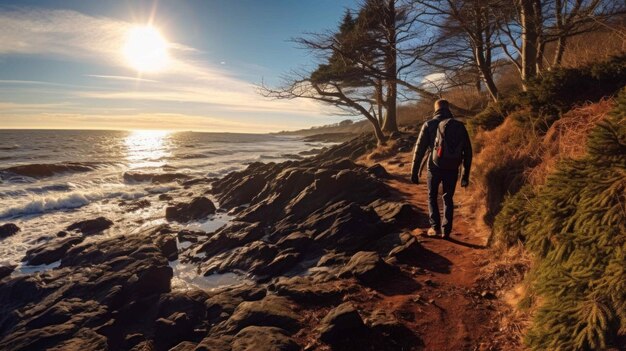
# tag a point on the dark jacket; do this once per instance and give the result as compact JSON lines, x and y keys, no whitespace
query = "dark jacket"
{"x":426,"y":141}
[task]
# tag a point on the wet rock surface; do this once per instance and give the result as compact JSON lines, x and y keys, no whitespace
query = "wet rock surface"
{"x":8,"y":229}
{"x":311,"y":234}
{"x":198,"y":208}
{"x":91,"y":226}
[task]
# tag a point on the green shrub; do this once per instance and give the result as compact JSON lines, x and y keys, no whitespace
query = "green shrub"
{"x":559,"y":90}
{"x":508,"y":227}
{"x":576,"y":227}
{"x":493,"y":115}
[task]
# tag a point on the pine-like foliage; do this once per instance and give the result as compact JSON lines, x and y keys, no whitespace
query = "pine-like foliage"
{"x":577,"y":229}
{"x":576,"y":226}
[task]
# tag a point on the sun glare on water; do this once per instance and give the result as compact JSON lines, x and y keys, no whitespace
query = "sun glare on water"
{"x":147,"y":148}
{"x":145,"y":49}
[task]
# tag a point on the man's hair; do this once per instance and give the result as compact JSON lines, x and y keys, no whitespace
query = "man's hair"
{"x":441,"y":103}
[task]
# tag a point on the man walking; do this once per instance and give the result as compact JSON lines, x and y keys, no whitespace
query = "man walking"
{"x":449,"y":146}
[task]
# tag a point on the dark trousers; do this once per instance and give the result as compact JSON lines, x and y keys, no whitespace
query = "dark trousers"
{"x":448,"y":179}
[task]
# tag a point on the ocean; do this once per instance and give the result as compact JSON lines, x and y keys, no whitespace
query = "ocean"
{"x":50,"y":179}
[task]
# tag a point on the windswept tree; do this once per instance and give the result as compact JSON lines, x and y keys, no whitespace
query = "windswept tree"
{"x":336,"y":81}
{"x":535,"y":24}
{"x":466,"y":37}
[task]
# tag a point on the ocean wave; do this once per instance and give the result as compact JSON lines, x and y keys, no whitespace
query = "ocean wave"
{"x":57,"y":202}
{"x":9,"y":147}
{"x":41,"y":170}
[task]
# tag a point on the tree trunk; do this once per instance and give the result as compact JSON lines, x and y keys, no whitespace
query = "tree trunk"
{"x":530,"y":38}
{"x":391,"y":124}
{"x":560,"y":49}
{"x":379,"y":101}
{"x":485,"y":72}
{"x":540,"y":58}
{"x":380,"y":136}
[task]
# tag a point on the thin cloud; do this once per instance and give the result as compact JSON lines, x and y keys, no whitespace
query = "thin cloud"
{"x":135,"y":79}
{"x":73,"y":36}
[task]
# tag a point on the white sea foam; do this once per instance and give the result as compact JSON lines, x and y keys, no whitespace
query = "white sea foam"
{"x":55,"y":202}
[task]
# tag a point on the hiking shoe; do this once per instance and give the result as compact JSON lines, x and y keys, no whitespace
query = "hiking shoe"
{"x":433,"y":232}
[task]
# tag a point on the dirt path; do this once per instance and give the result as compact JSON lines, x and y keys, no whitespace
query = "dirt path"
{"x":449,"y":312}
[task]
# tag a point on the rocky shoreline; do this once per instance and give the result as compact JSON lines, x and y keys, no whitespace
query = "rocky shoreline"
{"x":314,"y":236}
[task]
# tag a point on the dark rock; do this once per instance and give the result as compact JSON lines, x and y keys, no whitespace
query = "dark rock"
{"x":388,"y":331}
{"x":195,"y":181}
{"x":50,"y":251}
{"x":190,"y":235}
{"x":110,"y":286}
{"x":8,"y":229}
{"x":311,"y":291}
{"x":253,"y":258}
{"x":137,"y":205}
{"x":91,"y":226}
{"x":409,"y":252}
{"x":367,"y":267}
{"x":237,"y":234}
{"x":167,"y":245}
{"x":198,"y":208}
{"x":62,"y":234}
{"x":256,"y":338}
{"x":214,"y":343}
{"x":280,"y":264}
{"x":169,"y":331}
{"x":341,"y":323}
{"x":397,"y":213}
{"x":343,"y":226}
{"x":154,"y":177}
{"x":165,"y":197}
{"x":271,"y":311}
{"x":6,"y":271}
{"x":297,"y":241}
{"x":332,"y":258}
{"x":488,"y":295}
{"x":185,"y":346}
{"x":378,"y":171}
{"x":85,"y":340}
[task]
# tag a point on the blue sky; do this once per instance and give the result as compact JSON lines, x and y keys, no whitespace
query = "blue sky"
{"x":63,"y":64}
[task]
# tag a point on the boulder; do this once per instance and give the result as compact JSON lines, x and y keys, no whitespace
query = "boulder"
{"x":253,"y":258}
{"x":283,"y":262}
{"x":409,"y":252}
{"x":367,"y":267}
{"x":184,"y":346}
{"x":398,"y":213}
{"x":378,"y":171}
{"x":91,"y":226}
{"x":199,"y":208}
{"x":8,"y":229}
{"x":51,"y":251}
{"x":311,"y":290}
{"x":85,"y":340}
{"x":215,"y":343}
{"x":6,"y":271}
{"x":167,"y":245}
{"x":271,"y":311}
{"x":343,"y":322}
{"x":173,"y":329}
{"x":256,"y":338}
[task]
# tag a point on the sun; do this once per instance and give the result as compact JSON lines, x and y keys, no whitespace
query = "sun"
{"x":145,"y":49}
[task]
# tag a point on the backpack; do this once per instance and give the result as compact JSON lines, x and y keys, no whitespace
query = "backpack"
{"x":447,"y":154}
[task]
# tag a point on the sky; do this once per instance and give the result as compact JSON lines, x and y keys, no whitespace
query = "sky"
{"x":180,"y":65}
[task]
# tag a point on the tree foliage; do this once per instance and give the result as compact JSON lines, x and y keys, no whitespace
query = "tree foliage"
{"x":575,"y":224}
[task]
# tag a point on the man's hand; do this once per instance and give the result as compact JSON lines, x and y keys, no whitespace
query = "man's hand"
{"x":464,"y":182}
{"x":415,"y":178}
